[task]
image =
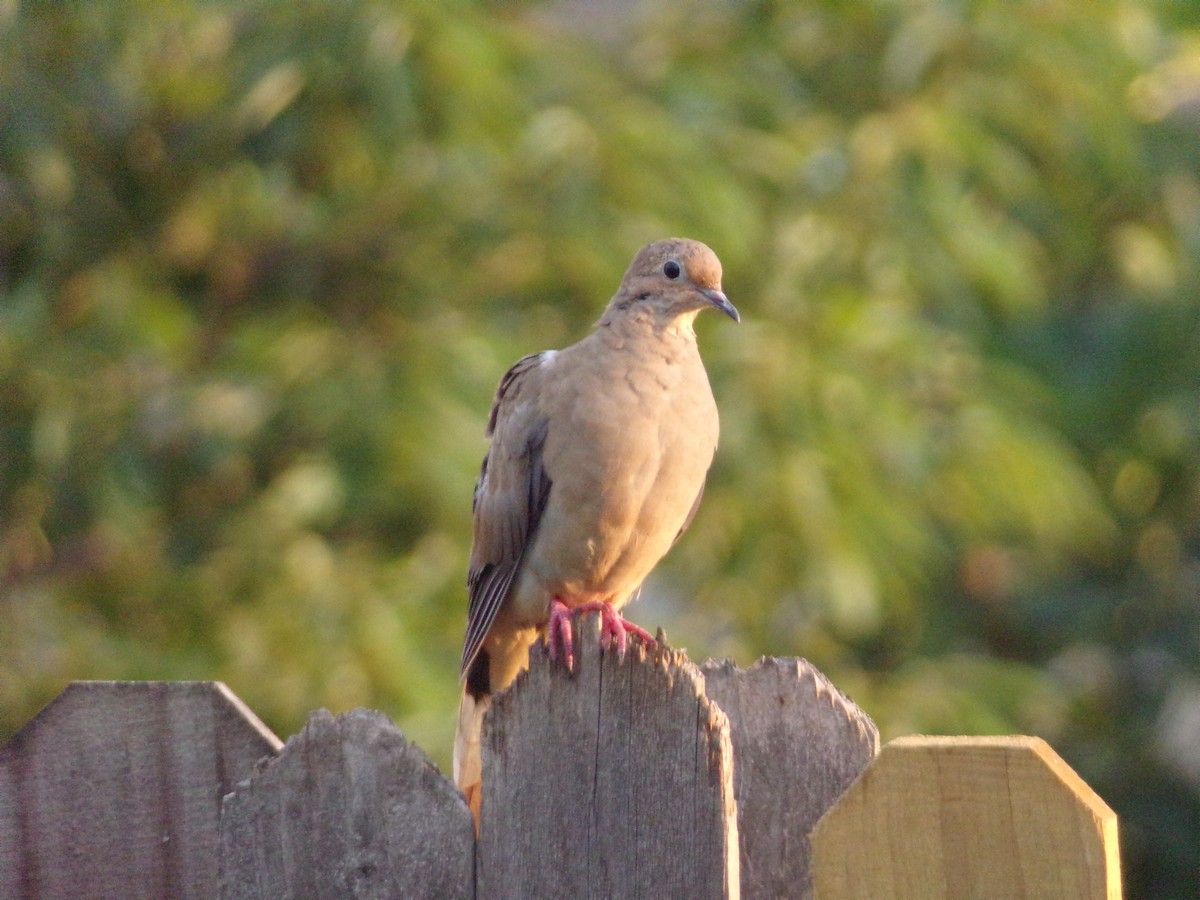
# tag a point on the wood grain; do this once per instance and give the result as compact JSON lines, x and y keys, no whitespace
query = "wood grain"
{"x":968,"y":817}
{"x":798,"y":743}
{"x":350,"y":808}
{"x":114,"y":790}
{"x":612,"y":781}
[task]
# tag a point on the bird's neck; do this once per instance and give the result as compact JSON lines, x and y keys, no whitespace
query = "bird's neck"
{"x":645,"y":326}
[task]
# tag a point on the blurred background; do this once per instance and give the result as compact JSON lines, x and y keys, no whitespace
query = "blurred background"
{"x":262,"y":265}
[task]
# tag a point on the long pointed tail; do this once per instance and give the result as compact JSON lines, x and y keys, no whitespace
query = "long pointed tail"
{"x":504,"y":654}
{"x":468,"y":760}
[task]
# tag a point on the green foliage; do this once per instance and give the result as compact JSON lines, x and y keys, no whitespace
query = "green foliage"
{"x":262,"y":264}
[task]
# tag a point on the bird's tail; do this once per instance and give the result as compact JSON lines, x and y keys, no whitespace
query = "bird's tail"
{"x":468,"y":759}
{"x":504,"y":656}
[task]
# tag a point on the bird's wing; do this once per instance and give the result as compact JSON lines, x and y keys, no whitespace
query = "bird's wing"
{"x":509,"y":498}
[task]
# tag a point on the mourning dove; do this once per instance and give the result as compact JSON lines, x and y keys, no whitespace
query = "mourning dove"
{"x":597,"y":463}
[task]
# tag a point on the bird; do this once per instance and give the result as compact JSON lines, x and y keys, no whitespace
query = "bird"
{"x":597,"y":463}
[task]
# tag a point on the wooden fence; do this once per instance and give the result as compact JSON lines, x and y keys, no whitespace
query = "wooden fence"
{"x":644,"y":778}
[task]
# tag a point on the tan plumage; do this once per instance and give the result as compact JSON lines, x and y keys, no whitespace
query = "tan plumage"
{"x":597,"y":463}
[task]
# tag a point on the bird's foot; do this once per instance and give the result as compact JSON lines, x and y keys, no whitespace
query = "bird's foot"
{"x":614,"y":629}
{"x":559,"y":639}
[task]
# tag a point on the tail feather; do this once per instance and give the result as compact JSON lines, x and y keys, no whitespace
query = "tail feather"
{"x":468,"y":759}
{"x":504,"y":654}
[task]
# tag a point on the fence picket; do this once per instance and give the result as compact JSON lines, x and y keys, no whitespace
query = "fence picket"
{"x":114,"y":790}
{"x":798,"y":743}
{"x":349,"y":808}
{"x":966,"y":817}
{"x":611,"y":781}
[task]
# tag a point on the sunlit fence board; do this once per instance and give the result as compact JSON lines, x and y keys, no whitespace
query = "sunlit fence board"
{"x":967,"y":817}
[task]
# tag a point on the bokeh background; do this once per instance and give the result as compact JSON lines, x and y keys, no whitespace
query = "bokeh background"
{"x":262,"y":265}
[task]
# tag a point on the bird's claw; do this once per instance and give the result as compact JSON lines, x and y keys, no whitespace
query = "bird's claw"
{"x":558,"y":633}
{"x":614,"y":630}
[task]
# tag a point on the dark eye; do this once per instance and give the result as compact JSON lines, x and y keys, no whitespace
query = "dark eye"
{"x":671,"y":269}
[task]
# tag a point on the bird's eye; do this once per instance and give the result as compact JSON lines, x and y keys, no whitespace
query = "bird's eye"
{"x":672,"y":270}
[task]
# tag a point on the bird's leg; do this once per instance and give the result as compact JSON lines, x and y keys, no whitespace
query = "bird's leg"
{"x":558,"y":633}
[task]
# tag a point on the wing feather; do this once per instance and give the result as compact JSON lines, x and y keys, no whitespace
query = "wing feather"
{"x":510,"y":496}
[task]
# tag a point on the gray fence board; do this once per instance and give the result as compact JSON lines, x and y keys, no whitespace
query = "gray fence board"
{"x":114,"y":790}
{"x":798,"y":744}
{"x":612,"y":781}
{"x":349,"y":808}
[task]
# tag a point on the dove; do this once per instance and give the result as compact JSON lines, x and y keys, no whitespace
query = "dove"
{"x":598,"y":458}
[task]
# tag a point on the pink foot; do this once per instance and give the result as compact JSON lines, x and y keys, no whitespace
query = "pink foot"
{"x":614,"y":629}
{"x":558,"y":633}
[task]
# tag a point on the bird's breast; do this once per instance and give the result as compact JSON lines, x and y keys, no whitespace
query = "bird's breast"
{"x":625,"y":468}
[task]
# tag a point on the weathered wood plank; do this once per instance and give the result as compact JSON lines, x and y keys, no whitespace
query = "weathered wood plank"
{"x":968,"y":817}
{"x":114,"y":790}
{"x":612,"y":781}
{"x":349,"y":808}
{"x":798,"y":743}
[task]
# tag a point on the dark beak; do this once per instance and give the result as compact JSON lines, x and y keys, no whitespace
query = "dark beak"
{"x":721,"y":302}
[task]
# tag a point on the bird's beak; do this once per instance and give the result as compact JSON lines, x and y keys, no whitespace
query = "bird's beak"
{"x":721,"y":302}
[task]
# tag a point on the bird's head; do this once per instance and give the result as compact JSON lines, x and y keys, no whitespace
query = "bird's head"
{"x":669,"y":282}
